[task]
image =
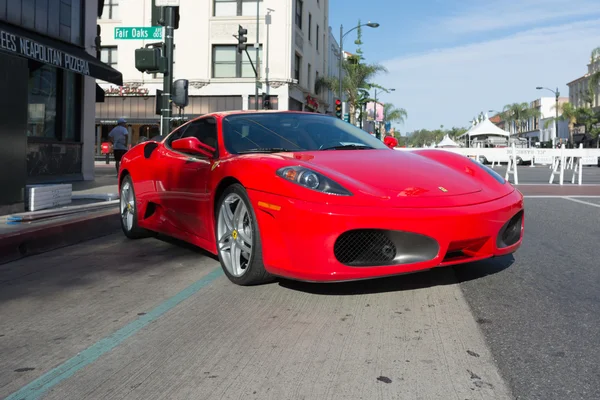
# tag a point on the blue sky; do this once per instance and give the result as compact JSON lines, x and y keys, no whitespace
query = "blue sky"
{"x":451,"y":59}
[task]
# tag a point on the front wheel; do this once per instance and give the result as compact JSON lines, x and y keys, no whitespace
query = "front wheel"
{"x":238,"y":239}
{"x":128,"y":208}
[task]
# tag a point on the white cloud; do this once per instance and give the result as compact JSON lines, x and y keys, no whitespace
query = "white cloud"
{"x":450,"y":86}
{"x":508,"y":14}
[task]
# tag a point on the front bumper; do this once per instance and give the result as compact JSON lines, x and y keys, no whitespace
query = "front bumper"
{"x":319,"y":242}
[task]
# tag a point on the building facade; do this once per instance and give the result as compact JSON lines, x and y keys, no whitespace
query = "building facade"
{"x":293,"y":42}
{"x":333,"y":68}
{"x":580,"y":94}
{"x":49,"y":66}
{"x":539,"y":129}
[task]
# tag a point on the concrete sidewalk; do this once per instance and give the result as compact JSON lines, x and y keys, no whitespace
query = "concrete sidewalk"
{"x":89,"y":216}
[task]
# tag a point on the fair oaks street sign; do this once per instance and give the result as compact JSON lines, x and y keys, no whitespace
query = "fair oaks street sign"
{"x":139,"y":33}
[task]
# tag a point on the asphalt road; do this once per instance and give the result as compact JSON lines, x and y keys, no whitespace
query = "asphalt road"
{"x":541,"y":316}
{"x":540,"y":174}
{"x":151,"y":319}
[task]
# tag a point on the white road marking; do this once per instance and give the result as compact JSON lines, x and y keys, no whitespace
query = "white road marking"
{"x":559,"y":196}
{"x":583,"y":202}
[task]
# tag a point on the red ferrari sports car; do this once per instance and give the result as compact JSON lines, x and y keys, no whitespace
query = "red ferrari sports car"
{"x":307,"y":196}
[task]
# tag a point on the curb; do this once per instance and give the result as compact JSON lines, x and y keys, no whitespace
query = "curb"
{"x":54,"y":235}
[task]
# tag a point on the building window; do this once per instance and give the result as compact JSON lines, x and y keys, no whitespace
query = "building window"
{"x":309,"y":71}
{"x":71,"y":107}
{"x":111,"y":9}
{"x":54,"y":103}
{"x":299,"y":9}
{"x":317,"y":37}
{"x":309,"y":26}
{"x":43,"y":88}
{"x":297,"y":63}
{"x":109,"y":55}
{"x":228,"y":63}
{"x":236,"y":8}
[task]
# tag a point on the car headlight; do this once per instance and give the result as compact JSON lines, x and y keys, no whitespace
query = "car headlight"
{"x":490,"y":171}
{"x":312,"y":180}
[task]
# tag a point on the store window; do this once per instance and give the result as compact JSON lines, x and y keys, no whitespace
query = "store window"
{"x":71,"y":108}
{"x":54,"y":104}
{"x":43,"y":91}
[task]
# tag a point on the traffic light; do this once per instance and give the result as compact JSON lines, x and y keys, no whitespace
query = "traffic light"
{"x":242,"y":39}
{"x":148,"y":59}
{"x":338,"y":108}
{"x":180,"y":92}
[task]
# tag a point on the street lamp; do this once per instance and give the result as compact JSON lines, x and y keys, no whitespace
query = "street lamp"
{"x":375,"y":109}
{"x":557,"y":94}
{"x":342,"y":35}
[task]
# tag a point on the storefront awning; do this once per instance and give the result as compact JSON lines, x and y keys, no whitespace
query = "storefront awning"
{"x":21,"y":42}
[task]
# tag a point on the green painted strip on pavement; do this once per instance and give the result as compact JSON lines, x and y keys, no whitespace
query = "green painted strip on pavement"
{"x":44,"y":383}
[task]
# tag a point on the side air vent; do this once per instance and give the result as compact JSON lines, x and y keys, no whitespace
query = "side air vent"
{"x":510,"y":233}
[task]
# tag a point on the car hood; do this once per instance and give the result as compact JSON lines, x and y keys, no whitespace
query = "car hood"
{"x":396,"y":173}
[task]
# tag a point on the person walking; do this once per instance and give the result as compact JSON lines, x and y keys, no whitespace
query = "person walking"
{"x":118,"y":137}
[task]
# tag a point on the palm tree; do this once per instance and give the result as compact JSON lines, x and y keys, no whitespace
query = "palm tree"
{"x":595,"y":77}
{"x":519,"y":114}
{"x":568,"y":113}
{"x":356,"y":80}
{"x":393,"y":114}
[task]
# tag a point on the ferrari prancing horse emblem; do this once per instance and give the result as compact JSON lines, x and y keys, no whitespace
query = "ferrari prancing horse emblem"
{"x":443,"y":189}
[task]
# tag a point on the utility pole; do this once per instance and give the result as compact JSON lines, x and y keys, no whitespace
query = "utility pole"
{"x":168,"y":71}
{"x":340,"y":60}
{"x":256,"y":45}
{"x":557,"y":93}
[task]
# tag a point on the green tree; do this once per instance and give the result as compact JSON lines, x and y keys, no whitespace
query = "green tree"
{"x":393,"y":114}
{"x":519,"y":114}
{"x":356,"y":82}
{"x":594,"y":81}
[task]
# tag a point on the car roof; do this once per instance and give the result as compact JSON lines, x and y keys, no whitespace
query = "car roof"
{"x":234,"y":112}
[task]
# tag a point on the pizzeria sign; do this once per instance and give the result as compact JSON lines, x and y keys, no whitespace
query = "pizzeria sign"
{"x":31,"y":49}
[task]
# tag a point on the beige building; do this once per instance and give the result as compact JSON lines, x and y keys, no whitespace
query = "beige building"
{"x":579,"y":88}
{"x":294,"y":52}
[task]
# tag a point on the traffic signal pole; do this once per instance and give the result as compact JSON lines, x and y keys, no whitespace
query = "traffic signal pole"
{"x":168,"y":71}
{"x":256,"y":44}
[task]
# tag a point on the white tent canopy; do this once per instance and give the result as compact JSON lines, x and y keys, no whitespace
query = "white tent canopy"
{"x":447,"y":142}
{"x":485,"y":127}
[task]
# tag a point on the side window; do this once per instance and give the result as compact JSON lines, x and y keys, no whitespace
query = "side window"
{"x":205,"y":130}
{"x":178,"y":134}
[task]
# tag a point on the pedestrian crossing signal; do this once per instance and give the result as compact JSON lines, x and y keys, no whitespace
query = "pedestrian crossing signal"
{"x":338,"y":108}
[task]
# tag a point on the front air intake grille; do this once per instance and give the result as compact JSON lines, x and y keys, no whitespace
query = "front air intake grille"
{"x":364,"y":247}
{"x":511,"y":231}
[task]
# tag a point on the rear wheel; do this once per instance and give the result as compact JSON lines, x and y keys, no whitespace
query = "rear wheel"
{"x":238,"y":239}
{"x":128,"y":208}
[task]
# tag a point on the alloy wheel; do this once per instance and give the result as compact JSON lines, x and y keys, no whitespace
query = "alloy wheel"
{"x":127,"y":206}
{"x":234,"y":233}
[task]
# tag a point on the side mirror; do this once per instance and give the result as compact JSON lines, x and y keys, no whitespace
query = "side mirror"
{"x":194,"y":146}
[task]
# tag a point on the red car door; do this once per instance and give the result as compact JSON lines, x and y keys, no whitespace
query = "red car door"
{"x":185,"y":197}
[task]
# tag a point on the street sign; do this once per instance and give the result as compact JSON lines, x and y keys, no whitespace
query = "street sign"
{"x":347,"y":117}
{"x":167,"y":3}
{"x":139,"y":33}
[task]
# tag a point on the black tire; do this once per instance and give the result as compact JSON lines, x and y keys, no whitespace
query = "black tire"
{"x":256,"y":273}
{"x":135,"y":232}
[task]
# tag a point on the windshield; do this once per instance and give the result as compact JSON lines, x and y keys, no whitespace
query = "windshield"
{"x":246,"y":133}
